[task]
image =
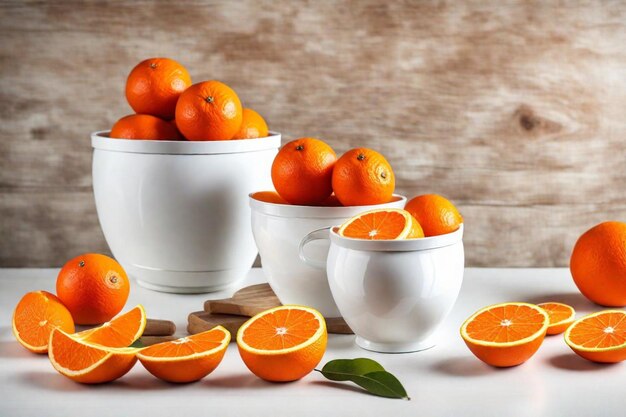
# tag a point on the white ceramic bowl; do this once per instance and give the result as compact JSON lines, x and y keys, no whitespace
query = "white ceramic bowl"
{"x":395,"y":294}
{"x":278,"y":230}
{"x":175,"y":213}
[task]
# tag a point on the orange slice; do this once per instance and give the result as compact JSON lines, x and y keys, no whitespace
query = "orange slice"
{"x":382,"y":224}
{"x":561,"y":316}
{"x":88,"y":363}
{"x":505,"y":334}
{"x":122,"y":331}
{"x":283,"y":343}
{"x":599,"y":337}
{"x":34,"y":318}
{"x":186,"y":359}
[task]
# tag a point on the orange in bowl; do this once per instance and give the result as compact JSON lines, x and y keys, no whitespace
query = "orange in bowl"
{"x":382,"y":224}
{"x":144,"y":126}
{"x":302,"y":172}
{"x":363,"y":177}
{"x":252,"y":126}
{"x":154,"y":85}
{"x":436,"y":214}
{"x":209,"y":110}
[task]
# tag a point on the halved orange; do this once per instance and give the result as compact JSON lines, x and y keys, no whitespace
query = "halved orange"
{"x":88,"y":363}
{"x":561,"y":316}
{"x":506,"y":334}
{"x":122,"y":331}
{"x":599,"y":337}
{"x":382,"y":224}
{"x":34,"y":318}
{"x":283,"y":343}
{"x":186,"y":359}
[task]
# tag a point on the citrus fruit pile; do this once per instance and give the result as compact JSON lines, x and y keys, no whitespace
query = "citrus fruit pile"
{"x":168,"y":107}
{"x":424,"y":216}
{"x":508,"y":334}
{"x":91,"y":289}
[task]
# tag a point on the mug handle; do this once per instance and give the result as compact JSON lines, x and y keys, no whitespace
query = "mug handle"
{"x":319,"y":234}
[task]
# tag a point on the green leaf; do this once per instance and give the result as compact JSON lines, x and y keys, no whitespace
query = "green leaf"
{"x":366,"y":373}
{"x":137,"y":344}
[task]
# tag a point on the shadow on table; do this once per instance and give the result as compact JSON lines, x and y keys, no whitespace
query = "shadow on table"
{"x":574,"y":299}
{"x":346,"y":386}
{"x":51,"y":381}
{"x":247,"y":380}
{"x":12,"y":349}
{"x":465,"y":366}
{"x":573,"y":362}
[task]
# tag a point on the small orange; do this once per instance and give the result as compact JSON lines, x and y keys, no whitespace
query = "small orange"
{"x":93,"y":287}
{"x":88,"y":363}
{"x":302,"y":171}
{"x":363,"y":177}
{"x":122,"y":331}
{"x":34,"y":318}
{"x":599,"y":337}
{"x":507,"y":334}
{"x":252,"y":126}
{"x":144,"y":126}
{"x":382,"y":224}
{"x":598,"y":264}
{"x":154,"y":85}
{"x":209,"y":110}
{"x":435,"y":213}
{"x":186,"y":359}
{"x":283,"y":343}
{"x":269,"y":197}
{"x":561,"y":316}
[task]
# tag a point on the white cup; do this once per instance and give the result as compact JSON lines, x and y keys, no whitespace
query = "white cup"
{"x":394,"y":294}
{"x":278,"y":230}
{"x":175,"y":213}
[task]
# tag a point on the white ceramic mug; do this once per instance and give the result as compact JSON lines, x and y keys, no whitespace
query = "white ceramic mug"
{"x":278,"y":230}
{"x":175,"y":213}
{"x":394,"y":294}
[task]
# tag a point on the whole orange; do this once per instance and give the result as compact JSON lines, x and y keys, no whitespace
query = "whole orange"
{"x":252,"y":126}
{"x":598,"y":264}
{"x":93,"y":287}
{"x":144,"y":126}
{"x":209,"y":110}
{"x":302,"y":171}
{"x":436,"y":214}
{"x":363,"y":177}
{"x":154,"y":85}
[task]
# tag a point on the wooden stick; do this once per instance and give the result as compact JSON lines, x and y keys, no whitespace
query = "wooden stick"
{"x":156,"y":327}
{"x":153,"y":340}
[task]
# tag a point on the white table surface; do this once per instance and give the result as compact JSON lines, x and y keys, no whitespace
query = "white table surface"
{"x":446,"y":380}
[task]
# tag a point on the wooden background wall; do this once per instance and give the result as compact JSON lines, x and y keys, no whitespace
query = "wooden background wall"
{"x":516,"y":110}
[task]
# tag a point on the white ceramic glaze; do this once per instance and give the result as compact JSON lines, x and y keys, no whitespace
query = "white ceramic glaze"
{"x":174,"y":213}
{"x":278,"y":230}
{"x":395,"y":294}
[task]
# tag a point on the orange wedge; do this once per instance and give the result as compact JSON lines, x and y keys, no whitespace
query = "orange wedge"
{"x":382,"y":224}
{"x":122,"y":331}
{"x":283,"y":343}
{"x":88,"y":363}
{"x":599,"y":337}
{"x":561,"y":316}
{"x":34,"y":318}
{"x":505,"y":334}
{"x":186,"y":359}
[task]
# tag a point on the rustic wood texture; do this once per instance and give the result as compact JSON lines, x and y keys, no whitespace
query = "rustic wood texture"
{"x":513,"y":109}
{"x":248,"y":301}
